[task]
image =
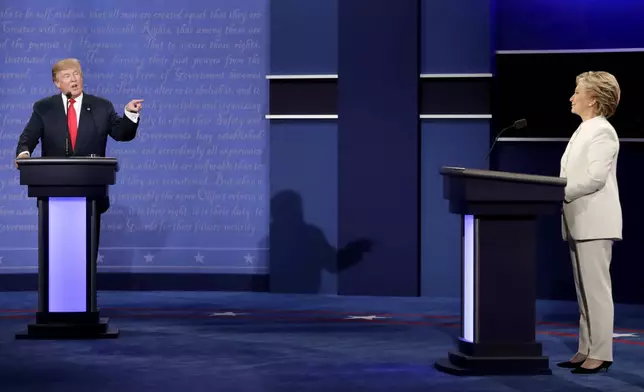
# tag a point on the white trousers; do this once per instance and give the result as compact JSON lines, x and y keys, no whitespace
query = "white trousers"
{"x":591,"y":268}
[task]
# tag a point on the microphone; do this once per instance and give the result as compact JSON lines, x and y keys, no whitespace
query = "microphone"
{"x":517,"y":125}
{"x":69,"y":96}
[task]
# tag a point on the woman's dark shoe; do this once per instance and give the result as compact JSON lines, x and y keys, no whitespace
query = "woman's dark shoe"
{"x":604,"y":366}
{"x":570,"y":365}
{"x":574,"y":362}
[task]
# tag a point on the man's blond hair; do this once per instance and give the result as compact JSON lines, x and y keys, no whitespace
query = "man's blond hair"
{"x":64,"y":64}
{"x":604,"y":88}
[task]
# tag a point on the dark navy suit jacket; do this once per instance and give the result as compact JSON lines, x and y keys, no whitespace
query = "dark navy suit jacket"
{"x":98,"y":120}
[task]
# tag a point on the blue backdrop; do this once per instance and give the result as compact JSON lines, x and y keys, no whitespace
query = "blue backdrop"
{"x":192,"y":193}
{"x":197,"y":94}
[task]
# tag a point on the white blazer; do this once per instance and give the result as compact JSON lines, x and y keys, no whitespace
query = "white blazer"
{"x":592,"y":208}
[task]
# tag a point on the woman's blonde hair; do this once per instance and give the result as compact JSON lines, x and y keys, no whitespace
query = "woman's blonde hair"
{"x":604,"y":88}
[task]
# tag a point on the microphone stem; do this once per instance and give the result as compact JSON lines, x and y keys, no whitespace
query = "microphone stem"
{"x":496,"y":139}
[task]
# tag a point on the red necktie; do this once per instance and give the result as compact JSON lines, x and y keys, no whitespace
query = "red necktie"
{"x":71,"y":122}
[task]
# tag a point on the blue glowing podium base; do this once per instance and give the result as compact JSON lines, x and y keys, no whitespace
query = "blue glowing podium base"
{"x":66,"y":190}
{"x":498,"y":212}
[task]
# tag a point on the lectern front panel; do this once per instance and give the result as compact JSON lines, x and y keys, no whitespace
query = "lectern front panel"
{"x":67,"y":254}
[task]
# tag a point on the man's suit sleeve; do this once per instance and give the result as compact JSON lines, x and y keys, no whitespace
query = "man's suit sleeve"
{"x":122,"y":129}
{"x":601,"y":154}
{"x":32,"y":133}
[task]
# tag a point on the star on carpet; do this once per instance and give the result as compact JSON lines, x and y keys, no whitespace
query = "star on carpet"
{"x":625,"y":335}
{"x":228,"y":314}
{"x":366,"y":317}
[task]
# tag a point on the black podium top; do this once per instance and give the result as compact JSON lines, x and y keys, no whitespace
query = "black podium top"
{"x":68,"y":177}
{"x":93,"y":161}
{"x":503,"y":176}
{"x":488,"y":192}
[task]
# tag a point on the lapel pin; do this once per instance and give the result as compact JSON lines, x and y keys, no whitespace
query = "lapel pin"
{"x":88,"y":109}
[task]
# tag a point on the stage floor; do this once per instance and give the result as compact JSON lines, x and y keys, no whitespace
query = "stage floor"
{"x":238,"y":342}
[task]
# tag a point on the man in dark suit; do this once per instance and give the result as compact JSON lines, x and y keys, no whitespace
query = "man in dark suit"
{"x":76,"y":124}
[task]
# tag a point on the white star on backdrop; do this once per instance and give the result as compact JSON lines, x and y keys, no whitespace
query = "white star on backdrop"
{"x":99,"y":259}
{"x":366,"y":317}
{"x":1,"y":259}
{"x":249,"y":258}
{"x":148,"y":258}
{"x":624,"y":335}
{"x":199,"y":258}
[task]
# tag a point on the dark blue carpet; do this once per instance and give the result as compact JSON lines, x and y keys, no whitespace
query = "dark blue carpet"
{"x":191,"y":342}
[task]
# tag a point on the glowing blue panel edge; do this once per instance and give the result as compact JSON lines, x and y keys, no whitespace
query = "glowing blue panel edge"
{"x":468,"y":278}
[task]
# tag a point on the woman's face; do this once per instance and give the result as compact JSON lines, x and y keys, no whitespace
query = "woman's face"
{"x":582,"y":102}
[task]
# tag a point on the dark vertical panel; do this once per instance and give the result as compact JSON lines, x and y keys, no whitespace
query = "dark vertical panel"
{"x":303,"y":228}
{"x":456,"y":36}
{"x":378,"y":143}
{"x":448,"y":142}
{"x":304,"y":36}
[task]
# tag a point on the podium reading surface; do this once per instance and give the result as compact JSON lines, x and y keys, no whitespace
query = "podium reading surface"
{"x":66,"y":190}
{"x":498,"y":315}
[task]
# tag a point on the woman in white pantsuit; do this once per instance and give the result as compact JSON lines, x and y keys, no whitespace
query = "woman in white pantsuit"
{"x":592,"y":216}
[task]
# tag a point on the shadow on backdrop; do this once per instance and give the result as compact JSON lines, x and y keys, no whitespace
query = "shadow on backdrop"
{"x":300,"y":252}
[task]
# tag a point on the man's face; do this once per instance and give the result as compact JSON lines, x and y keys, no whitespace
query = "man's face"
{"x":70,"y":80}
